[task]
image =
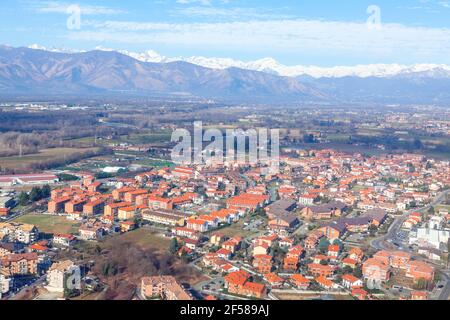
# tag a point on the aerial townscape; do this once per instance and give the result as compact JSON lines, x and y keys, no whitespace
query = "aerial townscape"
{"x":236,"y":158}
{"x":127,"y":223}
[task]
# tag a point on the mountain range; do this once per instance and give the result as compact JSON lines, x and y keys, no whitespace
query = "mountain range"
{"x":37,"y":70}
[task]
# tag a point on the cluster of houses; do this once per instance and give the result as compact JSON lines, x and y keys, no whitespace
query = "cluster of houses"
{"x":325,"y":194}
{"x":22,"y":254}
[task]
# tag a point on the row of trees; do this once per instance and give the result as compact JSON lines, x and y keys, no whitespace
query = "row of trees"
{"x":35,"y":194}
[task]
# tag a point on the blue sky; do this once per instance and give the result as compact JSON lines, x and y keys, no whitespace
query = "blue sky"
{"x":320,"y":32}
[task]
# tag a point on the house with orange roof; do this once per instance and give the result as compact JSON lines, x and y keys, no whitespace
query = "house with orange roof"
{"x":317,"y":269}
{"x":213,"y":222}
{"x":184,"y":172}
{"x":269,"y":240}
{"x":333,"y":230}
{"x":65,"y":240}
{"x":39,"y":248}
{"x":156,"y":202}
{"x":74,"y":206}
{"x":262,"y":263}
{"x":184,"y":232}
{"x":235,"y":281}
{"x":19,"y":264}
{"x":226,"y":215}
{"x":4,"y":212}
{"x":126,"y":213}
{"x":227,"y":268}
{"x":290,"y":263}
{"x":165,"y":217}
{"x":376,"y":270}
{"x":286,"y":242}
{"x":320,"y":257}
{"x":287,"y":191}
{"x":299,"y":281}
{"x":360,"y":294}
{"x":262,"y":248}
{"x":94,"y":186}
{"x":418,"y":270}
{"x":233,"y":244}
{"x":57,"y":205}
{"x":216,"y":239}
{"x":307,"y":199}
{"x":349,"y":263}
{"x":274,"y":280}
{"x":253,"y":289}
{"x":198,"y":225}
{"x":109,"y":220}
{"x":313,"y":239}
{"x":127,"y":226}
{"x":395,"y":259}
{"x":247,"y":202}
{"x":112,"y":209}
{"x":130,"y":196}
{"x":356,"y":254}
{"x":224,"y":253}
{"x":351,"y":282}
{"x":324,"y":282}
{"x":119,"y":194}
{"x":333,"y":251}
{"x":186,"y":199}
{"x":295,"y":252}
{"x":93,"y":208}
{"x":209,"y":258}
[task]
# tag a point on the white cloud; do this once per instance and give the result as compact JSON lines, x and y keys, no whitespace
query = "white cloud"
{"x":234,"y":14}
{"x":202,"y":2}
{"x":62,"y":7}
{"x":323,"y":37}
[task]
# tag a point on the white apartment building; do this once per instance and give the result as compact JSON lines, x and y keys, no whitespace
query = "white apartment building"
{"x":62,"y":275}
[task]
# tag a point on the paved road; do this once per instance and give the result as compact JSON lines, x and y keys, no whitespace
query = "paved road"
{"x":381,"y":243}
{"x":445,"y":292}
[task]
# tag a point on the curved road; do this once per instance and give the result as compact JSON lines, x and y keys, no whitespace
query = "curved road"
{"x":381,"y":243}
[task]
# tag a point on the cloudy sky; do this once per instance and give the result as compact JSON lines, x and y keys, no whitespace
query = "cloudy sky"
{"x":320,"y":32}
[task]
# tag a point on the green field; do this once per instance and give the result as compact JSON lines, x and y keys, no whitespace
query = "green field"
{"x":155,"y":163}
{"x":147,"y":138}
{"x":50,"y":224}
{"x":44,"y":155}
{"x":236,"y":229}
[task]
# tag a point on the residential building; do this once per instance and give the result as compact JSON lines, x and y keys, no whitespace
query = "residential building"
{"x":165,"y":217}
{"x":63,"y":240}
{"x":62,"y":275}
{"x":19,"y":264}
{"x":19,"y":232}
{"x":164,"y":287}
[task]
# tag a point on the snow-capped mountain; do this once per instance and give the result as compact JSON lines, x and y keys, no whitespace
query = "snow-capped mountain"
{"x":270,"y":65}
{"x":105,"y":71}
{"x":26,"y":71}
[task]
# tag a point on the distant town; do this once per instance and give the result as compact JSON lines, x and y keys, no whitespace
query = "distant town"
{"x":359,"y":209}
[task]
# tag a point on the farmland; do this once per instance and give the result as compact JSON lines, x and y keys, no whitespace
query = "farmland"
{"x":44,"y":156}
{"x":49,"y":224}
